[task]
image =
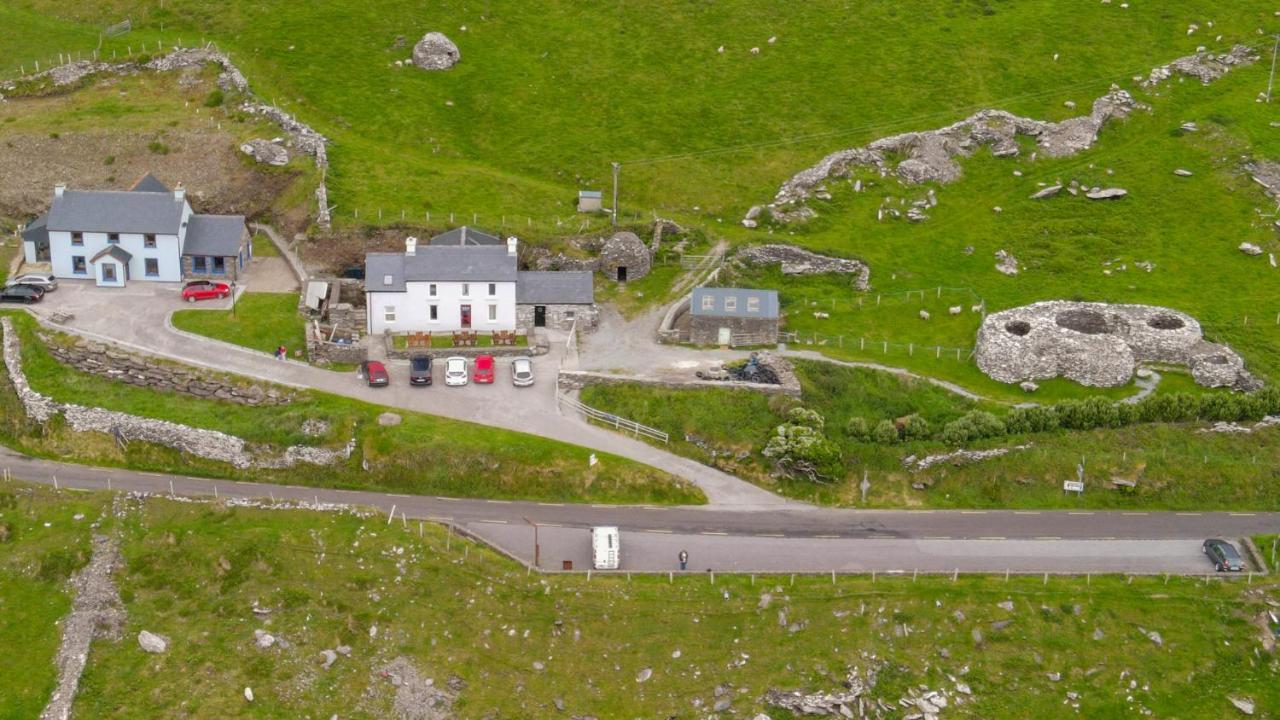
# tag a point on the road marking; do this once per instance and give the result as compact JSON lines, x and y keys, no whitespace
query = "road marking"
{"x":440,"y":497}
{"x":1048,"y":537}
{"x":551,"y":504}
{"x":351,"y":492}
{"x":1104,"y":538}
{"x":937,"y":537}
{"x":770,"y":535}
{"x":99,"y":469}
{"x":1242,"y":514}
{"x":992,"y":537}
{"x":550,"y":524}
{"x":152,"y":474}
{"x":495,"y":502}
{"x":1079,"y":513}
{"x":1188,"y":514}
{"x":656,"y":530}
{"x":1026,"y":512}
{"x":398,"y":495}
{"x":493,"y":522}
{"x":826,"y":536}
{"x":1133,"y":513}
{"x":973,"y":512}
{"x":708,"y":532}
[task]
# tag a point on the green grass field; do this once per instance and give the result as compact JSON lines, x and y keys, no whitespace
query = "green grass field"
{"x":1173,"y":465}
{"x":521,"y":643}
{"x":261,"y":321}
{"x":423,"y":454}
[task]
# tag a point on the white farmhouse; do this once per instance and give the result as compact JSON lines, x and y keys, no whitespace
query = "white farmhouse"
{"x":466,"y":279}
{"x":146,"y":233}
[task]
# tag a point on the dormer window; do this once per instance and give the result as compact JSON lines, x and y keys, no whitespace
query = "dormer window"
{"x":388,"y":280}
{"x":77,"y":238}
{"x":113,"y":238}
{"x":148,"y":241}
{"x":708,"y":302}
{"x":730,"y":304}
{"x":753,"y":304}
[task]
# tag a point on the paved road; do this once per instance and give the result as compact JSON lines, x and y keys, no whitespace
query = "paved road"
{"x":800,"y":539}
{"x":139,"y":320}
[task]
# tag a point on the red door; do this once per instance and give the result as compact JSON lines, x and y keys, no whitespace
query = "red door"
{"x":466,"y":316}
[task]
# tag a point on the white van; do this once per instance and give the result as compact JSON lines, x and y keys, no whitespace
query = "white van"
{"x":605,"y":548}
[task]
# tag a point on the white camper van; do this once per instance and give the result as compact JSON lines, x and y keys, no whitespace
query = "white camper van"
{"x":605,"y":549}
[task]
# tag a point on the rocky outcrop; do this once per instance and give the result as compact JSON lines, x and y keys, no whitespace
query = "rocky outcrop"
{"x":930,"y":156}
{"x":1101,"y":345}
{"x":435,"y":52}
{"x":267,"y":152}
{"x":957,"y":458}
{"x":125,"y":428}
{"x":798,"y":261}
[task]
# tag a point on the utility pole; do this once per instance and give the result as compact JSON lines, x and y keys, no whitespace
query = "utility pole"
{"x":616,"y":167}
{"x":1272,"y":78}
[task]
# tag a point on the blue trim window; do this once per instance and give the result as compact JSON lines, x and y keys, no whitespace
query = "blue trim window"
{"x":78,"y":265}
{"x":197,"y":264}
{"x":113,"y":238}
{"x":219,"y":265}
{"x":152,"y":267}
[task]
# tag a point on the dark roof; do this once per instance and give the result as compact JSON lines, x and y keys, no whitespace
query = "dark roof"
{"x":466,"y":236}
{"x":768,"y":302}
{"x":555,"y":287}
{"x":37,"y":231}
{"x":439,"y":263}
{"x":149,"y":183}
{"x":216,"y":235}
{"x":590,"y":194}
{"x":116,"y":211}
{"x":115,"y":251}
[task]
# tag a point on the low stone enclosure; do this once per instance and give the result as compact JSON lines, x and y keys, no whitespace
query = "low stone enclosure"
{"x":1101,"y":345}
{"x":930,"y":156}
{"x":207,"y":444}
{"x":788,"y":384}
{"x":336,"y":337}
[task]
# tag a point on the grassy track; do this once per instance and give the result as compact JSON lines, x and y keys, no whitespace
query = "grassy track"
{"x":193,"y":573}
{"x":423,"y":454}
{"x":262,"y":321}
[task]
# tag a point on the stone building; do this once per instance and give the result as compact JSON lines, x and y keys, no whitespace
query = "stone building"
{"x":590,"y":201}
{"x":733,"y":316}
{"x":556,"y":299}
{"x":625,"y":257}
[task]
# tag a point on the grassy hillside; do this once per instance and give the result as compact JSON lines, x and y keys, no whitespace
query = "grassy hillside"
{"x":522,"y":645}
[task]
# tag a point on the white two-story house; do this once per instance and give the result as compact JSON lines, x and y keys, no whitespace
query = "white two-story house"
{"x":442,"y":288}
{"x":146,"y":233}
{"x":467,"y":279}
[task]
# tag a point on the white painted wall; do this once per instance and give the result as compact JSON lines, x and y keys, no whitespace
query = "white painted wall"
{"x":167,"y":251}
{"x":413,"y":314}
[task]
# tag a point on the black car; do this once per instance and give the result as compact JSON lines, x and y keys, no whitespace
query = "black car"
{"x":420,"y":370}
{"x":22,"y":294}
{"x":1224,"y":555}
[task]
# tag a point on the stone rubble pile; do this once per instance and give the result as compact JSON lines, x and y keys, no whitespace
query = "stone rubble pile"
{"x":1100,"y":345}
{"x":435,"y":52}
{"x":798,"y":261}
{"x":848,"y":702}
{"x":267,"y":152}
{"x":957,"y":458}
{"x":930,"y":156}
{"x":208,"y":444}
{"x":1237,"y":428}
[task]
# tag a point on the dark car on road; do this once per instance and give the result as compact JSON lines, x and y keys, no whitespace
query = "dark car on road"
{"x":375,"y":373}
{"x":1223,"y":555}
{"x":420,"y":370}
{"x":22,"y":294}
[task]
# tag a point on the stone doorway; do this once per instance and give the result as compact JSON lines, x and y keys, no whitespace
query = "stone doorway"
{"x":539,"y":315}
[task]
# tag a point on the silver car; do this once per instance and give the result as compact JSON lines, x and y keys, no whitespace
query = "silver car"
{"x":44,"y":281}
{"x":522,"y":372}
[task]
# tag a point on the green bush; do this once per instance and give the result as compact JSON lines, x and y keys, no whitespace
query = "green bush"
{"x":158,"y":148}
{"x":1034,"y":419}
{"x":214,"y":99}
{"x":806,"y":417}
{"x":858,"y":429}
{"x":886,"y":432}
{"x":984,"y":423}
{"x":143,"y":59}
{"x":803,"y":451}
{"x":958,"y":432}
{"x":915,"y":427}
{"x":780,"y":405}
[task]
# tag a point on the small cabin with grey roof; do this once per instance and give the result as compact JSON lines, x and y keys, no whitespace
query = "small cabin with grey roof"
{"x":733,"y":316}
{"x":148,"y":233}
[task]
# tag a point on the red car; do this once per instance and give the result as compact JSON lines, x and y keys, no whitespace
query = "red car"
{"x":375,"y":373}
{"x":205,"y":290}
{"x":484,"y":370}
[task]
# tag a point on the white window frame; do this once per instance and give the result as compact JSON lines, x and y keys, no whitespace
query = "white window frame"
{"x":493,"y":313}
{"x":731,"y":304}
{"x":387,"y":280}
{"x":753,"y":304}
{"x":708,"y":302}
{"x":389,"y":314}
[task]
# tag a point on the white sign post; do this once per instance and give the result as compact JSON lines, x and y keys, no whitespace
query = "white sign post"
{"x":1074,"y":486}
{"x":592,"y":461}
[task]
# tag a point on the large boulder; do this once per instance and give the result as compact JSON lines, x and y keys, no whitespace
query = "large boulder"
{"x":435,"y":52}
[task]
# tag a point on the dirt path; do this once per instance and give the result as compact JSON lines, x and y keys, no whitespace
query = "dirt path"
{"x":95,"y":611}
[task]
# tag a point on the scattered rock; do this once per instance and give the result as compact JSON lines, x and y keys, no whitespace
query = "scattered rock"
{"x":248,"y":694}
{"x":1028,"y":386}
{"x":330,"y":657}
{"x":798,"y":261}
{"x":1182,"y":172}
{"x":1107,"y":194}
{"x":1249,"y":248}
{"x":1006,"y":262}
{"x":152,"y":643}
{"x":1006,"y":605}
{"x":267,"y":152}
{"x":1243,"y":704}
{"x":435,"y":52}
{"x":1047,"y":192}
{"x":263,"y":639}
{"x":644,"y":675}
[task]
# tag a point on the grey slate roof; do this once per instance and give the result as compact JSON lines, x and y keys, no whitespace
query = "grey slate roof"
{"x":114,"y":251}
{"x":215,"y":235}
{"x":590,"y":194}
{"x":768,"y":302}
{"x":551,"y":287}
{"x":37,"y":231}
{"x":466,"y":236}
{"x":149,"y":183}
{"x":116,"y":211}
{"x":439,"y":263}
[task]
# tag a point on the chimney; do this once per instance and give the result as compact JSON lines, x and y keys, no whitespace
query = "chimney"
{"x":411,"y":246}
{"x":179,"y":193}
{"x":511,"y":246}
{"x":59,"y":189}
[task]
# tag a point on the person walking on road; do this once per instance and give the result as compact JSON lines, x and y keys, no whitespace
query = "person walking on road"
{"x":684,"y":559}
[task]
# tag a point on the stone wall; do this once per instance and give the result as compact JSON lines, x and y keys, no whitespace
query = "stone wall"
{"x":207,"y":444}
{"x":231,"y":275}
{"x":560,"y":317}
{"x":797,"y":261}
{"x":323,"y":352}
{"x":705,"y":330}
{"x":537,"y":346}
{"x":111,"y":363}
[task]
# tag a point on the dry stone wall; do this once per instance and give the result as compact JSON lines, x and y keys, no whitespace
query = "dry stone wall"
{"x":207,"y":444}
{"x":1101,"y":345}
{"x":798,"y":261}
